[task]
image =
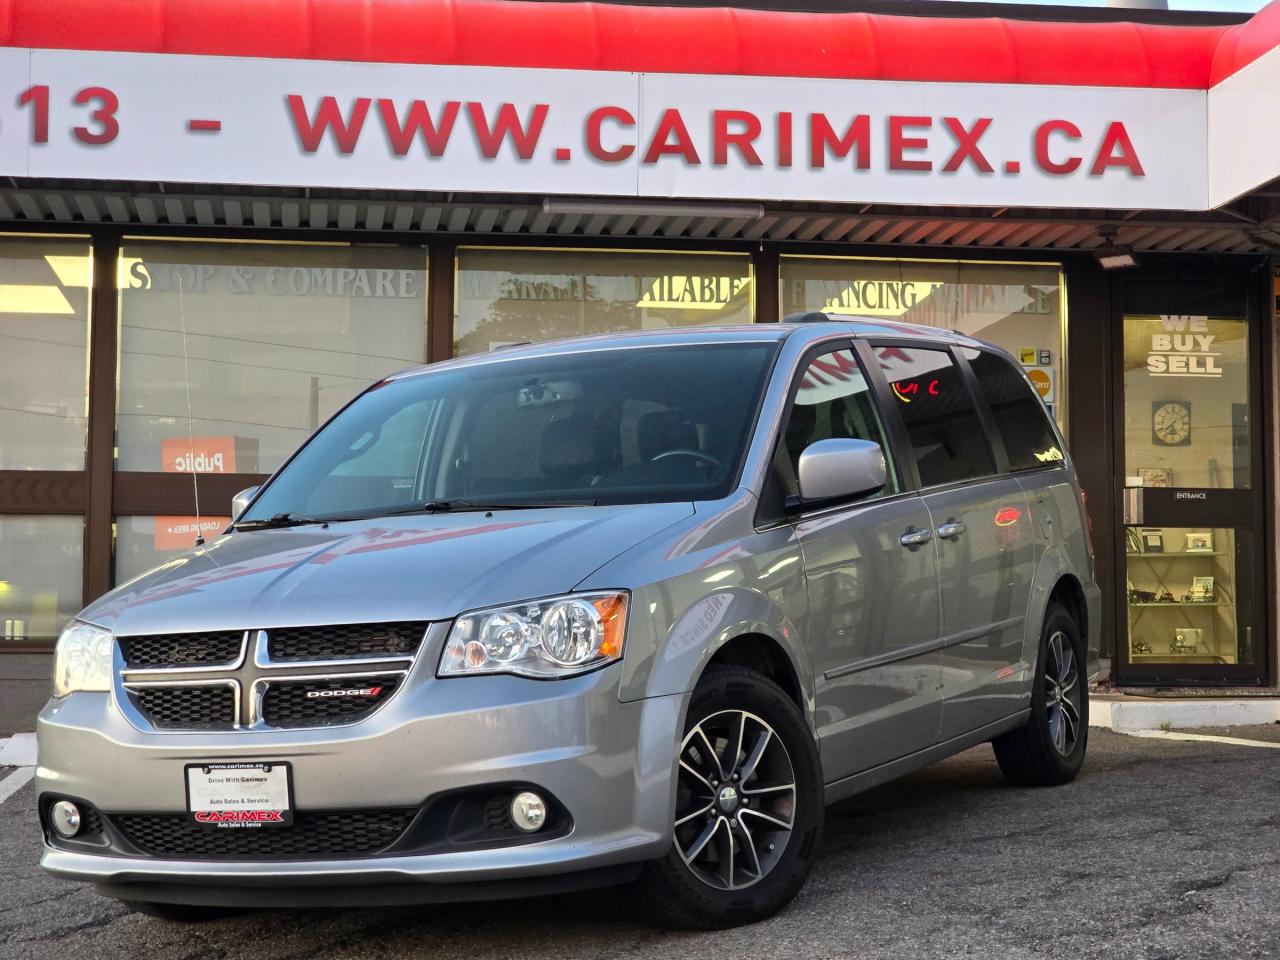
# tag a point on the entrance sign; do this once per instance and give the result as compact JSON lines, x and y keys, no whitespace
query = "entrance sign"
{"x":248,"y":121}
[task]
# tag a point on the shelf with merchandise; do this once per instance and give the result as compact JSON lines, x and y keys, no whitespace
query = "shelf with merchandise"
{"x":1179,"y":555}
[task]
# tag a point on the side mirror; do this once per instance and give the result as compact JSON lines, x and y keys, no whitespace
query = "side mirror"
{"x":241,"y":500}
{"x":835,"y":468}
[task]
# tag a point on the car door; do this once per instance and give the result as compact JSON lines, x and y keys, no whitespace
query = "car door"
{"x":872,"y":583}
{"x":984,"y":535}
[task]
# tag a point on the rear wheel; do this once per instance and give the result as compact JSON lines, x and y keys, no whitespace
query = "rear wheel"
{"x":748,"y":806}
{"x":1049,"y":750}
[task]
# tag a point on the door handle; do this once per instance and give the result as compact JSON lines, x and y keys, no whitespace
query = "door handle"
{"x":951,"y":529}
{"x":915,"y":536}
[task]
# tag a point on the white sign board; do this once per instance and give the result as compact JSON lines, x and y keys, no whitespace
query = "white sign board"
{"x":149,"y":117}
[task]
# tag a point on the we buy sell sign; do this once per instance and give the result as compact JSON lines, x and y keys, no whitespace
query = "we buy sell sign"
{"x":204,"y":119}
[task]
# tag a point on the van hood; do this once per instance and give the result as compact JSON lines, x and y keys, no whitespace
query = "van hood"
{"x":430,"y":567}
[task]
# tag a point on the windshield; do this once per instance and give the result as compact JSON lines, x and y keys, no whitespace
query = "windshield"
{"x":644,"y":424}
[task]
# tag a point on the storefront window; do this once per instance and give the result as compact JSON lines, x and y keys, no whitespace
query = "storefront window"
{"x":40,"y":577}
{"x":507,"y":296}
{"x":1190,"y":596}
{"x":277,"y":337}
{"x":1018,"y":306}
{"x":1186,"y":400}
{"x":146,"y":542}
{"x":44,"y":331}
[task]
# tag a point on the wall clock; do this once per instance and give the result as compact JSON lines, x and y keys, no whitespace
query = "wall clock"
{"x":1171,"y":423}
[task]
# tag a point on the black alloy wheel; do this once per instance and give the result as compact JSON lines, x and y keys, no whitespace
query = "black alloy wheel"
{"x":749,"y":806}
{"x":1049,"y":749}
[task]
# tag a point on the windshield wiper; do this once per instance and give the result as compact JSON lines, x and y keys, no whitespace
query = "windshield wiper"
{"x":464,"y":506}
{"x":279,"y":520}
{"x":473,"y":506}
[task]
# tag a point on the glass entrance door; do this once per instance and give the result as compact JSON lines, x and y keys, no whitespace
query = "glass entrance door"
{"x":1192,"y":512}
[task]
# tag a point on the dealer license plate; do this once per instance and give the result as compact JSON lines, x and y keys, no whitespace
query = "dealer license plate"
{"x":240,"y":796}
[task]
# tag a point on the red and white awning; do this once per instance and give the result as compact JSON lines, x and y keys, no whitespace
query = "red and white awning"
{"x":648,"y":39}
{"x":639,"y":103}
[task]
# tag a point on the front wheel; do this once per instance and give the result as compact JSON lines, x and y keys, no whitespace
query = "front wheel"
{"x":1049,"y":749}
{"x":748,"y":811}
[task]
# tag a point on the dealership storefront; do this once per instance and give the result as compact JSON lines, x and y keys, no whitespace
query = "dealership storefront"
{"x":212,"y":238}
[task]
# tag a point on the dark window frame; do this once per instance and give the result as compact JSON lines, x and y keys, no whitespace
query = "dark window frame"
{"x":773,"y":510}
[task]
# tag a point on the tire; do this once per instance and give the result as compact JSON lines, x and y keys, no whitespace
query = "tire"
{"x":1049,"y":750}
{"x":739,"y":855}
{"x":179,"y":912}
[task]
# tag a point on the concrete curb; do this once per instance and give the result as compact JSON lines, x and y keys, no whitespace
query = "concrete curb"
{"x":18,"y":750}
{"x":1126,"y":714}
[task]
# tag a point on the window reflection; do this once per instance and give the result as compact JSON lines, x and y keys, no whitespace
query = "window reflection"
{"x":278,"y":337}
{"x":1015,"y":306}
{"x":40,"y":576}
{"x":44,"y":325}
{"x":509,"y":296}
{"x":146,"y":542}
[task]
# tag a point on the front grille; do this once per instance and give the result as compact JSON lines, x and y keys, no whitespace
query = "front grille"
{"x":497,"y":813}
{"x":90,"y":822}
{"x":181,"y":650}
{"x":285,"y":677}
{"x":356,"y":833}
{"x":188,"y":708}
{"x":287,"y":704}
{"x":345,"y":641}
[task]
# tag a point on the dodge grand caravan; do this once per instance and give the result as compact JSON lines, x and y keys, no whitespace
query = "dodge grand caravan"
{"x":624,"y":609}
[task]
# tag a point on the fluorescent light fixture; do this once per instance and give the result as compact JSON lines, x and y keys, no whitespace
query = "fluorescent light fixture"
{"x":1115,"y":258}
{"x":730,"y":211}
{"x":1111,"y":256}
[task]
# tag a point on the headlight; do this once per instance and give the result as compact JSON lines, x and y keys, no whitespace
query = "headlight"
{"x":556,"y":637}
{"x":82,"y":660}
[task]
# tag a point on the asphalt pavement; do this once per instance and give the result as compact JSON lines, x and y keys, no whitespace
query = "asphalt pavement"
{"x":1162,"y":850}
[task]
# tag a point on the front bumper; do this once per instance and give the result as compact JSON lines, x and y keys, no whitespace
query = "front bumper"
{"x":610,"y":764}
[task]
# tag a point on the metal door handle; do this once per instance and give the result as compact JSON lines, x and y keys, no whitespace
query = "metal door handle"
{"x":915,"y":536}
{"x":951,"y":529}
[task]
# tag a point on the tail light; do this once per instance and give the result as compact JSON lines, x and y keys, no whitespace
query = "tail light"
{"x":1088,"y":523}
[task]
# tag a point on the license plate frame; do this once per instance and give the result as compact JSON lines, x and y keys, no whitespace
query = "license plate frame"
{"x":262,"y":800}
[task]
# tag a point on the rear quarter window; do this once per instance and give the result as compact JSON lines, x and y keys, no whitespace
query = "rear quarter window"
{"x":1020,"y":417}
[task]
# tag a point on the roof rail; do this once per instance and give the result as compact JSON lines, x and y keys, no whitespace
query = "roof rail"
{"x":813,"y":316}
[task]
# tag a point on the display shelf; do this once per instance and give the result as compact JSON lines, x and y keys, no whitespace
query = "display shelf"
{"x":1177,"y":554}
{"x":1176,"y":604}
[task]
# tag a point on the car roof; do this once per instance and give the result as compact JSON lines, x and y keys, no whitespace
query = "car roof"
{"x":813,"y":327}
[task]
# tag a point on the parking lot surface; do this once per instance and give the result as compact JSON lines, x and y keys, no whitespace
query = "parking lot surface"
{"x":1162,"y":849}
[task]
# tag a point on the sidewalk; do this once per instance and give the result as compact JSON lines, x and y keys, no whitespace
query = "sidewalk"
{"x":1182,"y":710}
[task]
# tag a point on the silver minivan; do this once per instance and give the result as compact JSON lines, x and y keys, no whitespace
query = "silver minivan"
{"x":622,"y":609}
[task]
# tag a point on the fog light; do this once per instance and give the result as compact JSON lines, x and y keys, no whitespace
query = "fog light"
{"x":528,"y":811}
{"x":64,"y":816}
